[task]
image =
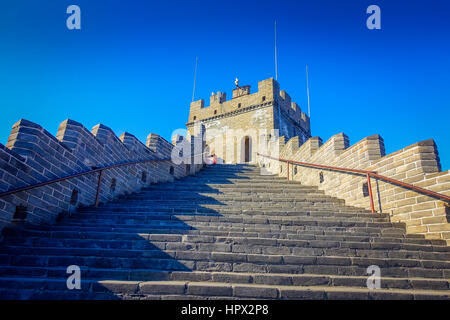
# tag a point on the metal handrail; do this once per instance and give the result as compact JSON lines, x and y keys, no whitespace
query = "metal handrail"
{"x":95,"y":170}
{"x":368,"y":175}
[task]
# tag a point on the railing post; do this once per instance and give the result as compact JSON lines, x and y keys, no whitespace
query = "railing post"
{"x":99,"y":183}
{"x":369,"y":186}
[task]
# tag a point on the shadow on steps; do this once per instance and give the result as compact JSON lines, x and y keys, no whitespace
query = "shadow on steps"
{"x":124,"y":240}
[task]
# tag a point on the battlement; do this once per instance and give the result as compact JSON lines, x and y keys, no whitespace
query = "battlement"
{"x":33,"y":155}
{"x":417,"y":164}
{"x":241,"y":99}
{"x":268,"y":93}
{"x":241,"y":91}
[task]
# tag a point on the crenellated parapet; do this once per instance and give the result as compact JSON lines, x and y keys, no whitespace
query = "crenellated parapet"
{"x":417,"y":164}
{"x":33,"y":155}
{"x":285,"y":114}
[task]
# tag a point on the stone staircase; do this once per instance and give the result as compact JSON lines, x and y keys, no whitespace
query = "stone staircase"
{"x":226,"y":233}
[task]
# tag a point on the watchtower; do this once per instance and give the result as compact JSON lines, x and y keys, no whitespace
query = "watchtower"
{"x":237,"y":125}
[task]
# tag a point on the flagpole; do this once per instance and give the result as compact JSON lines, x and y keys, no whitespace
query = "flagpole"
{"x":276,"y":67}
{"x":195,"y":77}
{"x":307,"y":92}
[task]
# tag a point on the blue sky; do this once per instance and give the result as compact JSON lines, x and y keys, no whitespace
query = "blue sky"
{"x":131,"y":66}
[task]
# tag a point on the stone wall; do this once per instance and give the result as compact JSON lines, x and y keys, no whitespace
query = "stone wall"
{"x":417,"y":164}
{"x":33,"y":155}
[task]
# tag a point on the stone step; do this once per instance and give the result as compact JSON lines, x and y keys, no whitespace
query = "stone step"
{"x":381,"y":247}
{"x":282,"y":233}
{"x":236,"y":178}
{"x":233,"y":204}
{"x":231,"y":190}
{"x":228,"y":211}
{"x":271,"y":223}
{"x":286,"y":233}
{"x":247,"y":214}
{"x":232,"y":262}
{"x":318,"y":204}
{"x":217,"y":209}
{"x":361,"y":242}
{"x":242,"y":246}
{"x":169,"y":197}
{"x":276,"y":230}
{"x":240,"y":192}
{"x":194,"y":244}
{"x":229,"y":233}
{"x":227,"y":277}
{"x":301,"y":204}
{"x":249,"y":187}
{"x":304,"y":235}
{"x":140,"y":219}
{"x":229,"y":227}
{"x":228,"y":197}
{"x":51,"y":288}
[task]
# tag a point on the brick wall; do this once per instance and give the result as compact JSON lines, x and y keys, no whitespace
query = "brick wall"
{"x":33,"y":155}
{"x":417,"y":164}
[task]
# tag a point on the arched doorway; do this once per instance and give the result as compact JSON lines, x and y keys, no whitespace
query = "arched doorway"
{"x":247,"y":149}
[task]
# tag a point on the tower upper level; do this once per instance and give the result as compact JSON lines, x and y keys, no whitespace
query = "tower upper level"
{"x":268,"y":94}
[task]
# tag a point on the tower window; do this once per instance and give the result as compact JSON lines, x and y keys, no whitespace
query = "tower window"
{"x":195,"y":118}
{"x":215,"y":111}
{"x":239,"y":105}
{"x":264,"y":98}
{"x":365,"y":189}
{"x":321,"y":177}
{"x":144,"y":177}
{"x":171,"y":171}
